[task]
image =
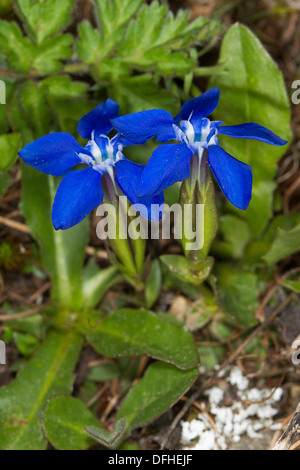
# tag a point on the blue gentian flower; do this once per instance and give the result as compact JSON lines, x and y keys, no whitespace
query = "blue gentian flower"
{"x":197,"y":134}
{"x":80,"y":191}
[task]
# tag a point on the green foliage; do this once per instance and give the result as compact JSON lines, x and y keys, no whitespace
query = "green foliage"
{"x":186,"y":270}
{"x":9,"y":146}
{"x":133,"y":56}
{"x":64,"y":420}
{"x":153,"y":284}
{"x":107,"y":438}
{"x":285,"y":244}
{"x":161,"y":386}
{"x":238,"y":293}
{"x":49,"y":373}
{"x":139,"y":332}
{"x":253,"y":90}
{"x":44,"y":18}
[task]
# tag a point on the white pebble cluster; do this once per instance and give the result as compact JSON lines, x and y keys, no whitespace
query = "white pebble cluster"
{"x":231,"y":422}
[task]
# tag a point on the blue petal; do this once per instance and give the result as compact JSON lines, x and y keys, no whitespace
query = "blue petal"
{"x":143,"y":126}
{"x":234,"y":177}
{"x":54,"y":154}
{"x":128,"y":176}
{"x":201,"y":107}
{"x":98,"y":119}
{"x":77,"y":195}
{"x":167,"y":165}
{"x":252,"y":131}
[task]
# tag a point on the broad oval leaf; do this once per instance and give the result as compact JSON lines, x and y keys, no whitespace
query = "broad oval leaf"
{"x":64,"y":420}
{"x":253,"y":90}
{"x":140,"y":332}
{"x":161,"y":387}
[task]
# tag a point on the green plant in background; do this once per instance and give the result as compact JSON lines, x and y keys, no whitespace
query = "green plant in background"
{"x":143,"y":57}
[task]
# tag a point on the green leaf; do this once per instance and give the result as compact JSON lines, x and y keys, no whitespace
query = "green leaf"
{"x":235,"y":236}
{"x":105,"y":437}
{"x":104,"y":372}
{"x":237,"y":292}
{"x":63,"y":251}
{"x":142,"y":93}
{"x":161,"y":387}
{"x":44,"y":18}
{"x":32,"y":116}
{"x":153,"y":284}
{"x":186,"y":270}
{"x":139,"y":332}
{"x":4,"y":183}
{"x":10,"y":144}
{"x":64,"y":420}
{"x":152,"y":36}
{"x":88,"y":46}
{"x":285,"y":244}
{"x":26,"y":343}
{"x":210,"y":356}
{"x":253,"y":90}
{"x":17,"y":49}
{"x":292,"y":285}
{"x":113,"y":14}
{"x":49,"y":373}
{"x":51,"y":52}
{"x":64,"y":88}
{"x":96,"y":282}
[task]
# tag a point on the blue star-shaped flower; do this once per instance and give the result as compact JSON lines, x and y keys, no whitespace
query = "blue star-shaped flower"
{"x":80,"y":191}
{"x":171,"y":163}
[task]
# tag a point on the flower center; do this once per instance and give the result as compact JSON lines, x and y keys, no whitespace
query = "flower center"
{"x":202,"y":135}
{"x":105,"y":152}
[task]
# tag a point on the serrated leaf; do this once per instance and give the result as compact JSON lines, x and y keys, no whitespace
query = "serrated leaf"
{"x":253,"y":90}
{"x":105,"y":437}
{"x":33,"y":109}
{"x":50,"y":372}
{"x":139,"y":332}
{"x":141,"y":93}
{"x":88,"y":46}
{"x":64,"y":420}
{"x":49,"y":55}
{"x":285,"y":244}
{"x":10,"y":144}
{"x":64,"y":88}
{"x":44,"y":18}
{"x":18,"y":49}
{"x":161,"y":387}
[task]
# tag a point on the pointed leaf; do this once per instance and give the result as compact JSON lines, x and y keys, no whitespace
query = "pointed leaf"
{"x":105,"y":437}
{"x":161,"y":387}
